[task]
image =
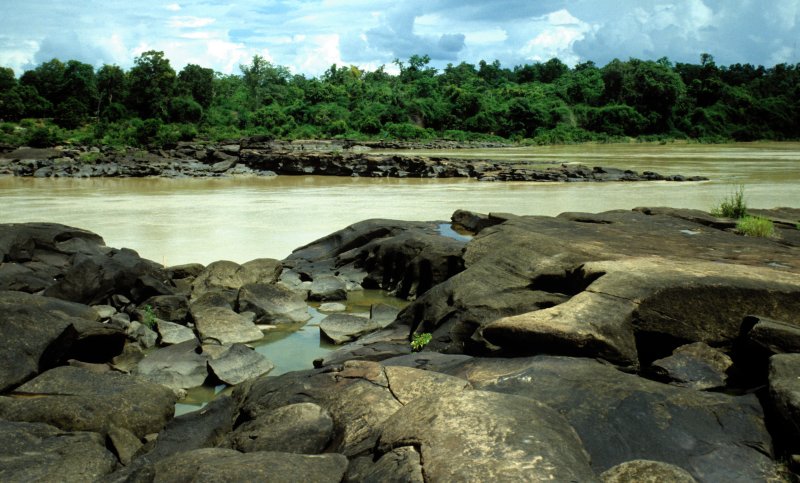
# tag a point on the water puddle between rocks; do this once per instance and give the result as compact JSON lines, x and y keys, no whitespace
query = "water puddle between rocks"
{"x":293,"y":347}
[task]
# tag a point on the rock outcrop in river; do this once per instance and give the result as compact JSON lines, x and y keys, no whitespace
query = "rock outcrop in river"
{"x":260,"y":156}
{"x":585,"y":347}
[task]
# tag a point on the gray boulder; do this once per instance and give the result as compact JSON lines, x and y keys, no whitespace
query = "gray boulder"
{"x":325,"y":288}
{"x":39,"y":452}
{"x":170,"y":333}
{"x":303,"y":428}
{"x":225,"y":326}
{"x":76,"y":399}
{"x":784,"y":391}
{"x":478,"y":435}
{"x":173,"y":308}
{"x":341,"y":328}
{"x":179,"y":366}
{"x":272,"y":304}
{"x":230,"y":276}
{"x":239,"y":363}
{"x":775,"y":336}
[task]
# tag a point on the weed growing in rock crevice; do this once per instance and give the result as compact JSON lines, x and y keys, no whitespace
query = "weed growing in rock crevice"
{"x":733,"y":206}
{"x":755,"y":226}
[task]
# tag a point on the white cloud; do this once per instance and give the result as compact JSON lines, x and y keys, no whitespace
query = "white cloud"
{"x":190,"y":22}
{"x":173,"y":7}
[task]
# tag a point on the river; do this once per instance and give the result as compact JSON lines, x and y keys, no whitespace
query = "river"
{"x":176,"y":221}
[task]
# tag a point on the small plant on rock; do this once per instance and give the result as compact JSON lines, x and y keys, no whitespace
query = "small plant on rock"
{"x":149,"y":317}
{"x":755,"y":226}
{"x":418,"y":341}
{"x":733,"y":206}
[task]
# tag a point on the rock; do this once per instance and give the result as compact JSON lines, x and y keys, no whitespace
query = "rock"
{"x":401,"y":465}
{"x":33,"y":337}
{"x":341,"y":328}
{"x":622,"y":417}
{"x":272,"y":304}
{"x":784,"y":391}
{"x":774,"y":336}
{"x":473,"y":222}
{"x":172,"y":308}
{"x":478,"y":435}
{"x":644,"y":471}
{"x":303,"y":428}
{"x":697,"y":366}
{"x":225,"y":326}
{"x":213,"y":298}
{"x":93,"y":279}
{"x":327,"y":287}
{"x":383,"y":314}
{"x":189,"y":270}
{"x":238,"y":364}
{"x":124,"y":443}
{"x":407,"y":384}
{"x":142,"y":334}
{"x":170,"y":333}
{"x":178,"y":366}
{"x":230,"y":276}
{"x":204,"y":428}
{"x":23,"y":242}
{"x":428,"y":361}
{"x":39,"y":452}
{"x":104,"y":311}
{"x":332,"y":307}
{"x":392,"y":341}
{"x":217,"y":464}
{"x":75,"y":399}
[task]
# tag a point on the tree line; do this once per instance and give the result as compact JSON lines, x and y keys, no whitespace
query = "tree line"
{"x":542,"y":102}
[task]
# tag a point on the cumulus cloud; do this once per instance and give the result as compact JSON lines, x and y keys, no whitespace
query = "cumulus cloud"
{"x":309,"y":35}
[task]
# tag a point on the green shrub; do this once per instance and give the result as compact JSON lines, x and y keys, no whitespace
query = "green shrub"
{"x":43,"y":137}
{"x":733,"y":206}
{"x":755,"y":226}
{"x":418,"y":341}
{"x":149,"y":317}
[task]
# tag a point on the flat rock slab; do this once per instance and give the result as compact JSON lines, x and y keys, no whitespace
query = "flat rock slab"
{"x":76,"y":399}
{"x":697,"y":366}
{"x":217,"y":464}
{"x":341,"y":328}
{"x":486,"y":436}
{"x":40,"y":452}
{"x":226,"y":326}
{"x":171,"y":333}
{"x":238,"y":364}
{"x":622,"y":417}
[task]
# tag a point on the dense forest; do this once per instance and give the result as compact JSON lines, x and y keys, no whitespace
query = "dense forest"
{"x":545,"y":103}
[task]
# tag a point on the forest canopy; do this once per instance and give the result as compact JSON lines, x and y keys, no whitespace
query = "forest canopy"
{"x":542,"y":102}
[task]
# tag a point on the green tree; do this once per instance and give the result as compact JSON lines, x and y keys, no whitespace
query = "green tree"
{"x":197,"y":82}
{"x":7,"y":79}
{"x":111,"y":87}
{"x":151,"y":85}
{"x":47,"y":79}
{"x":265,"y":82}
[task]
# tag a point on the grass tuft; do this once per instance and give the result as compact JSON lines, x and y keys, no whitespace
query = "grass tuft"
{"x":755,"y":226}
{"x":733,"y":206}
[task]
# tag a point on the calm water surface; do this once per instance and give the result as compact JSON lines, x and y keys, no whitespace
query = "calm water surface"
{"x":239,"y":219}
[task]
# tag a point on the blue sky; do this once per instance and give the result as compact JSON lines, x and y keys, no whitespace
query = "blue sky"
{"x":309,"y":35}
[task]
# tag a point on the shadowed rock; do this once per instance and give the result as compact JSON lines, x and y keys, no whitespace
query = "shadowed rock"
{"x":239,"y":363}
{"x":303,"y":428}
{"x":272,"y":304}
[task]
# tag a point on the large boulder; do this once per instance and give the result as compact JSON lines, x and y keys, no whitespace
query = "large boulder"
{"x":225,"y":326}
{"x":272,"y":304}
{"x":622,"y":417}
{"x":179,"y":366}
{"x":304,"y":428}
{"x":341,"y":328}
{"x":229,"y":276}
{"x":40,"y":452}
{"x":784,"y":390}
{"x":237,"y":363}
{"x":479,"y":435}
{"x":75,"y":399}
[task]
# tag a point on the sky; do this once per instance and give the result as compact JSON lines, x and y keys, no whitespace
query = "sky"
{"x":308,"y":36}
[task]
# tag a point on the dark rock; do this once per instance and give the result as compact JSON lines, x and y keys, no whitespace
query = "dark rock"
{"x":272,"y":304}
{"x":382,"y":314}
{"x":774,"y":336}
{"x":93,"y":279}
{"x":142,"y":334}
{"x":22,"y":242}
{"x":230,"y":276}
{"x":326,"y":288}
{"x":172,"y":308}
{"x":39,"y":333}
{"x":239,"y":363}
{"x":189,"y":270}
{"x":304,"y":428}
{"x":39,"y":452}
{"x":178,"y":366}
{"x":644,"y":471}
{"x":391,"y":341}
{"x":76,"y":399}
{"x":401,"y":465}
{"x":696,"y":365}
{"x":204,"y":428}
{"x":473,"y":222}
{"x":217,"y":464}
{"x":784,"y":391}
{"x":621,"y":417}
{"x":428,"y":361}
{"x":124,"y":443}
{"x":225,"y":326}
{"x":478,"y":435}
{"x":341,"y":328}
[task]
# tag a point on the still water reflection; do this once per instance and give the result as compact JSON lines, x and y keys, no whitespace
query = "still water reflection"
{"x":203,"y":220}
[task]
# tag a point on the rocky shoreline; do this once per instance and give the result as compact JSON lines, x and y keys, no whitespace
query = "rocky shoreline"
{"x":266,"y":157}
{"x":651,"y":343}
